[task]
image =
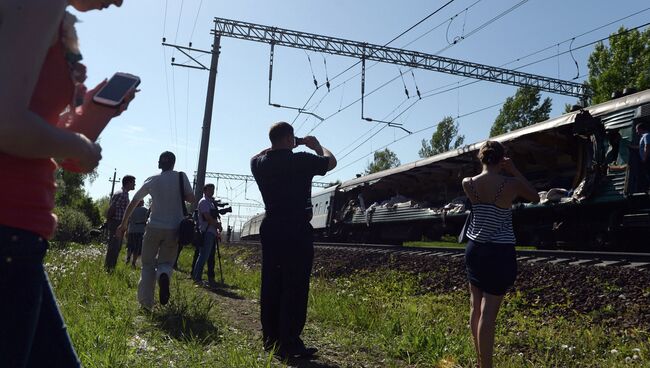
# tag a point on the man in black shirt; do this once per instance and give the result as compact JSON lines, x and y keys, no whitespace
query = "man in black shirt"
{"x":284,"y":179}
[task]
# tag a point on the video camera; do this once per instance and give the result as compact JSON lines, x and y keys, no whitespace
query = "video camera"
{"x":221,"y":209}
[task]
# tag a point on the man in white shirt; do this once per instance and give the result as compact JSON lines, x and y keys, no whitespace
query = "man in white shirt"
{"x":160,"y":241}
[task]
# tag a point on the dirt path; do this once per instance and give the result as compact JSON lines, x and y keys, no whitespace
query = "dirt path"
{"x":243,"y":314}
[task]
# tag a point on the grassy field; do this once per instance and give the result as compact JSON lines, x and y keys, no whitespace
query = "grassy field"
{"x":369,"y":319}
{"x":109,"y":329}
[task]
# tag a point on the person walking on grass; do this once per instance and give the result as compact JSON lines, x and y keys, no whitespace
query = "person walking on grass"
{"x":40,"y":74}
{"x":135,"y":232}
{"x":160,"y":240}
{"x":114,"y":217}
{"x":490,"y":254}
{"x":284,"y":179}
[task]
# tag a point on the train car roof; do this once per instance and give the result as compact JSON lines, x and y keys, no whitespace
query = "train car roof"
{"x":628,"y":101}
{"x":326,"y":190}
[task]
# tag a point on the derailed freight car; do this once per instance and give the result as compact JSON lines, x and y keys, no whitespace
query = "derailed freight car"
{"x":590,"y":193}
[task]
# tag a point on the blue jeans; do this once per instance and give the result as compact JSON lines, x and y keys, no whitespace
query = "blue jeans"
{"x":204,"y":254}
{"x":32,"y":332}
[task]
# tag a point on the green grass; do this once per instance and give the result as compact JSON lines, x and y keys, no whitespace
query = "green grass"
{"x":376,"y":319}
{"x":108,"y":328}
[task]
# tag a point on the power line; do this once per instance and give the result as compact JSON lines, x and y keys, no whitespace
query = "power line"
{"x":386,"y":44}
{"x":577,"y":36}
{"x":458,"y":86}
{"x":180,"y":13}
{"x":479,"y":28}
{"x":198,"y":11}
{"x":587,"y":44}
{"x":537,"y":52}
{"x":482,"y":26}
{"x":412,"y":134}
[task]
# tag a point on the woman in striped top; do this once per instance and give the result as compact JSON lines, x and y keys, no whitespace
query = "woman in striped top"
{"x":490,"y":254}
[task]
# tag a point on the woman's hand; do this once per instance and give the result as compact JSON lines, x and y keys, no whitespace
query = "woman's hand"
{"x":508,"y":166}
{"x":101,"y":111}
{"x":85,"y":154}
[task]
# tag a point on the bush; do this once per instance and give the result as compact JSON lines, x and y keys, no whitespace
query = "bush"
{"x":73,"y":225}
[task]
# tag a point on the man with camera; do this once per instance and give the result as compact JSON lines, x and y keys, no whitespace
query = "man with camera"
{"x":208,"y":226}
{"x":284,"y":179}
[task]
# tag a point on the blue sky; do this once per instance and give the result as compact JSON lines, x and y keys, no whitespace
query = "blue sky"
{"x":168,"y":112}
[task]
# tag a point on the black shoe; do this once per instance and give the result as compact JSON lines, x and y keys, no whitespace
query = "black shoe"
{"x":163,"y":284}
{"x":302,"y":353}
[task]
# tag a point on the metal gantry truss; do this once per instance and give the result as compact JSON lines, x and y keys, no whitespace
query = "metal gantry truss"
{"x":216,"y":175}
{"x":392,"y":55}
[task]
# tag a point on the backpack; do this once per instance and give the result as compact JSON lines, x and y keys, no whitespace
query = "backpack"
{"x":186,"y":227}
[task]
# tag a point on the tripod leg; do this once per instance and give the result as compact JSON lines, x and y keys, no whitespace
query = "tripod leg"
{"x":220,"y":267}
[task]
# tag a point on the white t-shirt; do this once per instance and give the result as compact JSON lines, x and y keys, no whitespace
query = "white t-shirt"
{"x":166,"y":210}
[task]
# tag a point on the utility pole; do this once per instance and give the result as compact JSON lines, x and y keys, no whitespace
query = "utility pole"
{"x":207,"y":119}
{"x":209,"y":100}
{"x":113,"y":181}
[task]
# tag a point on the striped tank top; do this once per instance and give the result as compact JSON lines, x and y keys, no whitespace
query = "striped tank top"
{"x":490,"y":223}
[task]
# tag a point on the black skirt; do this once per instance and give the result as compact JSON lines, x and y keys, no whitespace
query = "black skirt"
{"x":491,"y":267}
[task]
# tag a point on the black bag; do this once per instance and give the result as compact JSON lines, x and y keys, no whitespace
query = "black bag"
{"x":186,"y":228}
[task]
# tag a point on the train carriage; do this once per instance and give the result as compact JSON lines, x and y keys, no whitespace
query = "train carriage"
{"x":565,"y":158}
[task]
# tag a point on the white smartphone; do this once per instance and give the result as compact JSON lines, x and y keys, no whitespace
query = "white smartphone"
{"x":113,"y":92}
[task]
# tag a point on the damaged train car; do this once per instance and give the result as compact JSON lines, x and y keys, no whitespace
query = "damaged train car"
{"x":584,"y":164}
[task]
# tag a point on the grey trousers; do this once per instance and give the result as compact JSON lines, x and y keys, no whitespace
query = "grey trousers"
{"x":159,"y":247}
{"x":114,"y":245}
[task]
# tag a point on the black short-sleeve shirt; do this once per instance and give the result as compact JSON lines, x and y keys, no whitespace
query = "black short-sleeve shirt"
{"x":284,"y":179}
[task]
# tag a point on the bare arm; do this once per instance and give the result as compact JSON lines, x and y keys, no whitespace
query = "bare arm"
{"x":28,"y":29}
{"x":314,"y":144}
{"x":523,"y":187}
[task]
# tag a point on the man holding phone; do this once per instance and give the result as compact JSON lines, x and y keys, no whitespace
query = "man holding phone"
{"x":284,"y":179}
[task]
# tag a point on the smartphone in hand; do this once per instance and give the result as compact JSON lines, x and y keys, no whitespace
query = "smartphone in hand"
{"x":115,"y":90}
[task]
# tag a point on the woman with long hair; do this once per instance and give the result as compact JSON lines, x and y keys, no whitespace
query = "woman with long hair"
{"x":43,"y":105}
{"x":490,"y":254}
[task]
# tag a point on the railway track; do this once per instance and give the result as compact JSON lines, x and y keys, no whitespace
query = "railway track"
{"x":573,"y":258}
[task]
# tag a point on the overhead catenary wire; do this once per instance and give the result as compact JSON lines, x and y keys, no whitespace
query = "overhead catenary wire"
{"x":427,"y":93}
{"x":409,"y":135}
{"x":169,"y":115}
{"x":196,"y":18}
{"x":178,"y":25}
{"x":483,"y":25}
{"x":480,"y":27}
{"x":458,"y":85}
{"x":403,"y":46}
{"x":386,"y":44}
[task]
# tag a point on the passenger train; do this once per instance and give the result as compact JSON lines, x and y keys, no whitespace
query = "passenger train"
{"x":590,"y":192}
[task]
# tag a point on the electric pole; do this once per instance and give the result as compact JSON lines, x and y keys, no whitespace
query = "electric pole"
{"x":113,"y":181}
{"x":209,"y":100}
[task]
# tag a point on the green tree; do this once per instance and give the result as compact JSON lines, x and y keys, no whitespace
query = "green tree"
{"x":521,"y":110}
{"x":625,"y":63}
{"x":383,"y":160}
{"x":441,"y":140}
{"x":71,"y":194}
{"x":102,"y":205}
